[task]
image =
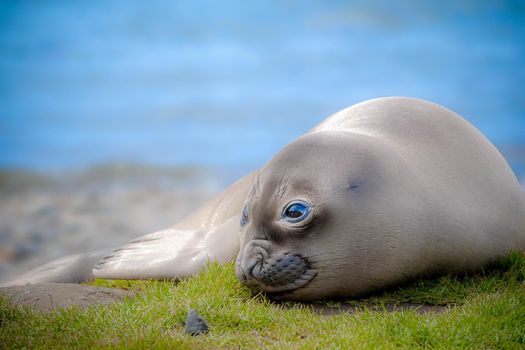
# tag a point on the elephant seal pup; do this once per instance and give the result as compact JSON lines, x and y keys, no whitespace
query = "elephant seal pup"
{"x":377,"y":194}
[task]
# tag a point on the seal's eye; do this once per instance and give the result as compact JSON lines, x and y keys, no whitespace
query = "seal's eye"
{"x":296,"y":211}
{"x":244,"y":216}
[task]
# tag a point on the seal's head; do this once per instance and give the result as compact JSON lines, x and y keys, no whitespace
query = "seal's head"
{"x":304,"y":234}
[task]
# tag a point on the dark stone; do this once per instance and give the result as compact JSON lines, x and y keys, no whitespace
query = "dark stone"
{"x":195,"y":325}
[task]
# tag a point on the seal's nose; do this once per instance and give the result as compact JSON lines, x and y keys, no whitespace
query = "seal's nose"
{"x":251,"y":259}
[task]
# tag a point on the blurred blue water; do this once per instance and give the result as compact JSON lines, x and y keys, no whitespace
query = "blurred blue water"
{"x":227,"y":84}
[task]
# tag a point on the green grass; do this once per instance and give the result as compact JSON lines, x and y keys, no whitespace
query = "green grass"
{"x":487,"y":311}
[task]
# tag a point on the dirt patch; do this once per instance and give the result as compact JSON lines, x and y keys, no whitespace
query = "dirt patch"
{"x":49,"y":296}
{"x":339,"y":308}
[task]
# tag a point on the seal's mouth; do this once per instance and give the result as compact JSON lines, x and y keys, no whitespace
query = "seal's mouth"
{"x":275,"y":274}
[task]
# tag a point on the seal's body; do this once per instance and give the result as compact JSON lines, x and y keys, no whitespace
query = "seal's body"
{"x":379,"y":193}
{"x":398,"y":188}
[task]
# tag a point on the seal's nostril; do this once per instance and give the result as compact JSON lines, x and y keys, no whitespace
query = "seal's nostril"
{"x":250,"y":268}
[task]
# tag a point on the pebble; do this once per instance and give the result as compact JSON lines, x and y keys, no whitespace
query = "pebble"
{"x":195,"y":324}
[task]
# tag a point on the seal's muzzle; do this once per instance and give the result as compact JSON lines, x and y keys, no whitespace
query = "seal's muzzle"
{"x":264,"y":270}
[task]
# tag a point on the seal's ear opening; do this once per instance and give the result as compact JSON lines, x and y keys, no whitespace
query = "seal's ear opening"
{"x":353,"y":186}
{"x":171,"y":253}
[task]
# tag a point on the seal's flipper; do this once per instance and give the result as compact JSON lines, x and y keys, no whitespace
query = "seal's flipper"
{"x":171,"y":253}
{"x":74,"y":268}
{"x":211,"y":233}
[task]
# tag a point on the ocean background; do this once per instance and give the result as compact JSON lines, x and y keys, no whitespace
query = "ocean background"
{"x":149,"y":107}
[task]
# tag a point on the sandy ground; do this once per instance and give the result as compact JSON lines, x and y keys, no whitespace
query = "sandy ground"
{"x":50,"y":296}
{"x":41,"y":222}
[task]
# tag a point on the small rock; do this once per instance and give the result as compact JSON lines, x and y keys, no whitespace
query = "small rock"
{"x":195,"y":325}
